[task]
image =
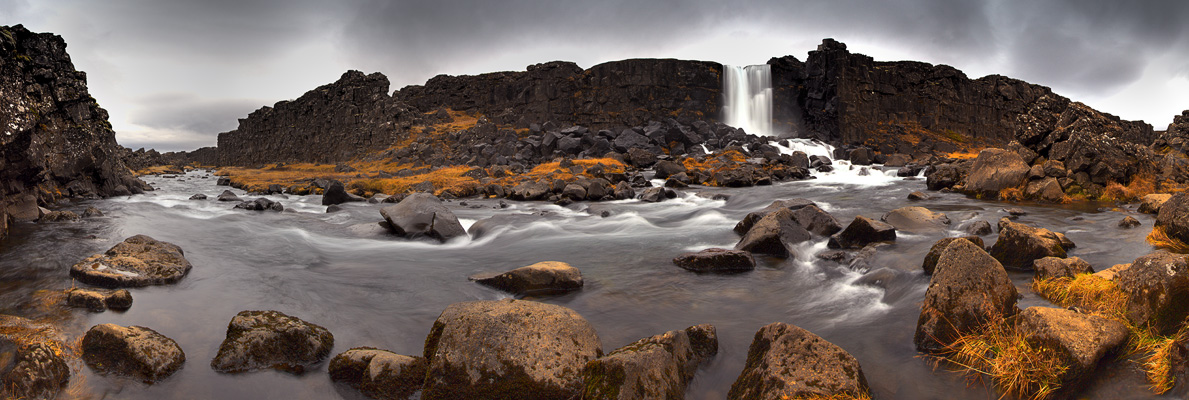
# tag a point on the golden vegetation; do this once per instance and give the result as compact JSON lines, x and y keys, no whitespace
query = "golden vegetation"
{"x":712,"y":165}
{"x":1140,"y":186}
{"x":157,"y":170}
{"x":1011,"y":194}
{"x":968,"y":155}
{"x":1014,"y":365}
{"x":1160,"y":239}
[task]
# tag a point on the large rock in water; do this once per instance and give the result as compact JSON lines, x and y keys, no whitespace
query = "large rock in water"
{"x":1156,"y":285}
{"x":34,"y":364}
{"x":816,"y":220}
{"x":787,"y":362}
{"x":658,"y":367}
{"x":774,"y":235}
{"x":132,"y":351}
{"x":862,"y":231}
{"x":716,"y":260}
{"x":916,"y":219}
{"x":379,"y":374}
{"x":422,"y":214}
{"x":930,"y":263}
{"x":337,"y":194}
{"x":751,"y":218}
{"x":269,"y":339}
{"x":995,"y":170}
{"x":1173,"y":217}
{"x":1019,"y":245}
{"x":99,"y":300}
{"x":1079,"y":340}
{"x":545,"y":277}
{"x":137,"y":261}
{"x":969,"y":288}
{"x":508,"y":349}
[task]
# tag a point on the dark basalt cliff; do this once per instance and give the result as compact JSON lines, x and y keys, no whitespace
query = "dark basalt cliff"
{"x":56,"y":140}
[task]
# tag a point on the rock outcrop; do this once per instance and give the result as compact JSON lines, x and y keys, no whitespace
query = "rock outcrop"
{"x":56,"y":140}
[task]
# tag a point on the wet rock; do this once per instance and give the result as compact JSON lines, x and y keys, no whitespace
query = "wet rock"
{"x":574,"y":192}
{"x":861,"y":232}
{"x":838,"y":256}
{"x":624,"y":191}
{"x":1019,"y":245}
{"x":379,"y":374}
{"x":227,"y":195}
{"x":995,"y":170}
{"x":261,"y":204}
{"x":546,"y":277}
{"x":774,"y":234}
{"x":1156,"y":286}
{"x":1129,"y":222}
{"x":508,"y":349}
{"x":334,"y":208}
{"x":529,"y":191}
{"x":878,"y":278}
{"x":1173,"y":217}
{"x":133,"y":351}
{"x":34,"y":366}
{"x":99,"y":300}
{"x":787,"y":362}
{"x":1150,"y":204}
{"x":270,"y":339}
{"x":930,"y":263}
{"x":337,"y":194}
{"x":1046,"y":190}
{"x":198,"y":196}
{"x":137,"y":261}
{"x":917,"y":196}
{"x":968,"y":289}
{"x":1079,"y":340}
{"x":748,"y":221}
{"x":92,"y":212}
{"x":666,"y":168}
{"x":658,"y":367}
{"x":979,"y":228}
{"x":223,"y":181}
{"x":1015,"y":211}
{"x":716,"y":260}
{"x":943,"y":176}
{"x":422,"y":215}
{"x":816,"y":220}
{"x":1053,"y":267}
{"x":59,"y":216}
{"x":916,"y":219}
{"x":655,"y":195}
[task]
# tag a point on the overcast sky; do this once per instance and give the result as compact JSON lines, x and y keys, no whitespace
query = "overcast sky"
{"x":174,"y":73}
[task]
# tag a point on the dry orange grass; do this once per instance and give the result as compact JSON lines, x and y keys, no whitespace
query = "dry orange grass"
{"x":1011,"y":194}
{"x":711,"y":165}
{"x":1140,"y":186}
{"x":1015,"y":366}
{"x":963,"y":155}
{"x":157,"y":170}
{"x":1160,"y":239}
{"x":448,"y":179}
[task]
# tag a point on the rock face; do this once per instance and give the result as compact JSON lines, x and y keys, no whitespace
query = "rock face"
{"x":508,"y":349}
{"x":930,"y":263}
{"x":379,"y":374}
{"x":774,"y":234}
{"x":545,"y":277}
{"x":37,"y":368}
{"x":137,"y":261}
{"x":658,"y":367}
{"x":56,"y":141}
{"x":968,"y":289}
{"x":1053,"y":267}
{"x":269,"y":339}
{"x":916,"y":219}
{"x":787,"y":362}
{"x":1156,"y":286}
{"x":1019,"y":245}
{"x":995,"y":170}
{"x":716,"y":260}
{"x":99,"y":300}
{"x":133,"y":351}
{"x":1080,"y":340}
{"x":422,"y":214}
{"x":861,"y":232}
{"x":1173,"y":217}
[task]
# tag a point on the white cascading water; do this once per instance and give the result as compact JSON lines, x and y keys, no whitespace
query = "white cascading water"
{"x":748,"y":106}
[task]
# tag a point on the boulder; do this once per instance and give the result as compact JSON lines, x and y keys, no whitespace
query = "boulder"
{"x":1156,"y":285}
{"x":1046,"y":190}
{"x":878,"y":277}
{"x":816,"y":220}
{"x":261,"y":204}
{"x":59,"y":216}
{"x":787,"y":362}
{"x":930,"y":263}
{"x":1079,"y":340}
{"x":861,"y":232}
{"x":379,"y":374}
{"x":1019,"y":245}
{"x":1150,"y":204}
{"x":666,"y":168}
{"x":1129,"y":222}
{"x":978,"y":228}
{"x":422,"y":215}
{"x":995,"y":170}
{"x":1053,"y":267}
{"x":716,"y":260}
{"x":487,"y":226}
{"x":968,"y":289}
{"x":546,"y":277}
{"x":529,"y":191}
{"x":1173,"y":217}
{"x":33,"y":365}
{"x":198,"y":196}
{"x":658,"y":367}
{"x":916,"y":219}
{"x":653,"y":195}
{"x":227,"y":195}
{"x":574,"y":191}
{"x":270,"y":339}
{"x":751,"y":218}
{"x":774,"y":235}
{"x":918,"y":196}
{"x":99,"y":300}
{"x":133,"y":351}
{"x":943,"y":176}
{"x":137,"y":261}
{"x":508,"y":349}
{"x":337,"y":194}
{"x":897,"y":160}
{"x":92,"y":212}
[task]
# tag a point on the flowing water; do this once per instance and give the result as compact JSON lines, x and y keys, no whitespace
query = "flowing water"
{"x":340,"y":270}
{"x":748,"y":98}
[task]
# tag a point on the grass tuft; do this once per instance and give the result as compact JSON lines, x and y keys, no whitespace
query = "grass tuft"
{"x":1161,"y":240}
{"x":1015,"y":366}
{"x":1088,"y":292}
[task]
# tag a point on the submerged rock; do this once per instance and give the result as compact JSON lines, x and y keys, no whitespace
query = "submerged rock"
{"x":934,"y":254}
{"x":1156,"y":285}
{"x":979,"y":228}
{"x":137,"y":261}
{"x":508,"y":349}
{"x":658,"y":367}
{"x":916,"y":219}
{"x":59,"y":216}
{"x":917,"y":196}
{"x":787,"y":362}
{"x":99,"y":300}
{"x":545,"y":277}
{"x":1054,"y":267}
{"x":969,"y":288}
{"x":716,"y":260}
{"x":133,"y":351}
{"x":270,"y":339}
{"x":37,"y":367}
{"x":1128,"y":222}
{"x":861,"y":232}
{"x":1019,"y":245}
{"x":379,"y":374}
{"x":1079,"y":340}
{"x":774,"y":234}
{"x":422,"y":215}
{"x":261,"y":204}
{"x":92,"y":212}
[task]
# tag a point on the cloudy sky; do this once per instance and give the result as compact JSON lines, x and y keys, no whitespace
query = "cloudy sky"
{"x":174,"y":73}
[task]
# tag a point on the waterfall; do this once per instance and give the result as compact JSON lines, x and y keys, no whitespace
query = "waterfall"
{"x":748,"y":98}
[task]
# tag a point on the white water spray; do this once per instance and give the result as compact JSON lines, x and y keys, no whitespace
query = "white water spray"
{"x":748,"y":92}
